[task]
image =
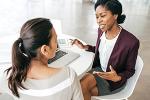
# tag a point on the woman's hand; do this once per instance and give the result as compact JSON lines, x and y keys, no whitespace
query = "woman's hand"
{"x":79,"y":44}
{"x":112,"y":75}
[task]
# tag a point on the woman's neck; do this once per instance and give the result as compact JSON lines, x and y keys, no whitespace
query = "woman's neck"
{"x":38,"y":64}
{"x":113,"y":32}
{"x":40,"y":70}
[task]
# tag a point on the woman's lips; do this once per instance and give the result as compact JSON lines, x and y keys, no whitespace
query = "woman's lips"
{"x":102,"y":26}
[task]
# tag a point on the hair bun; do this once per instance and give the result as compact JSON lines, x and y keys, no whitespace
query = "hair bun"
{"x":121,"y":19}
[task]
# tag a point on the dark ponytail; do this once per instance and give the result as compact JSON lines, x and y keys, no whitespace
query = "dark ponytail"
{"x":20,"y":67}
{"x":34,"y":33}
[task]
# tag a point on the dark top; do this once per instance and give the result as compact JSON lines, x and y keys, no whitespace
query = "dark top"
{"x":122,"y":58}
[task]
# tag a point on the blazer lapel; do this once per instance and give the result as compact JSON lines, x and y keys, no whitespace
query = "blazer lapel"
{"x":98,"y":39}
{"x":115,"y":49}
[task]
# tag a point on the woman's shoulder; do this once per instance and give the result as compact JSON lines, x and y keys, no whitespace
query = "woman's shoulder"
{"x":129,"y":37}
{"x":129,"y":34}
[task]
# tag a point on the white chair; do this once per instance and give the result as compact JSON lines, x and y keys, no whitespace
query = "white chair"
{"x":128,"y":90}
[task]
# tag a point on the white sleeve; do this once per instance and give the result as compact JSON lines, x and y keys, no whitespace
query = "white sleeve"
{"x":76,"y":87}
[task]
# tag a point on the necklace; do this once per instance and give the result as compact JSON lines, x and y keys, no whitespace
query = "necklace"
{"x":112,"y":36}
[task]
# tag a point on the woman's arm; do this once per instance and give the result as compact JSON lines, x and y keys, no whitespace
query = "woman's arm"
{"x":90,"y":48}
{"x":82,"y":46}
{"x":131,"y":61}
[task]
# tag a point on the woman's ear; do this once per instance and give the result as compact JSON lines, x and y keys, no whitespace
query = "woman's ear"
{"x":45,"y":50}
{"x":116,"y":16}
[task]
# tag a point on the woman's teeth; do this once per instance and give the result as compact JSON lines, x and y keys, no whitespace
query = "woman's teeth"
{"x":102,"y":26}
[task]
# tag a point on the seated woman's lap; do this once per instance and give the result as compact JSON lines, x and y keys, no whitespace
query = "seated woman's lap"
{"x":101,"y":84}
{"x":88,"y":84}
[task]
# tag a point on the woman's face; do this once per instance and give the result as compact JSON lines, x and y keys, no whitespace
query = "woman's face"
{"x":105,"y":19}
{"x":53,"y":43}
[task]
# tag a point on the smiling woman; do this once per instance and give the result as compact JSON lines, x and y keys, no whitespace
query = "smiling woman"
{"x":116,"y":51}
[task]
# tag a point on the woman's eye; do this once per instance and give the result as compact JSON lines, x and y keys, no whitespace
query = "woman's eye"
{"x":102,"y":15}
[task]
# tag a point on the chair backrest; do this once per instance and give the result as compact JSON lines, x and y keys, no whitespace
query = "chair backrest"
{"x":131,"y":83}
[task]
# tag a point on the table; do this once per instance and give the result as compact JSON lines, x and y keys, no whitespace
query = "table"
{"x":78,"y":65}
{"x":82,"y":64}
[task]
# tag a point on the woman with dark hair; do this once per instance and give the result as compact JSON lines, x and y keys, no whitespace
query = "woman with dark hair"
{"x":30,"y":77}
{"x":116,"y":52}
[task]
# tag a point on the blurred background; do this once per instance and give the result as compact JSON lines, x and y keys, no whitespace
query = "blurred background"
{"x":78,"y":19}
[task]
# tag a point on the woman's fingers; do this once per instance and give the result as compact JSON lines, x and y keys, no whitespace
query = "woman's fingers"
{"x":75,"y":41}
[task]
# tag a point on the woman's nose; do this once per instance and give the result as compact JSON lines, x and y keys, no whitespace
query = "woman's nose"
{"x":99,"y":20}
